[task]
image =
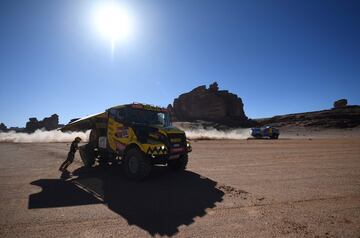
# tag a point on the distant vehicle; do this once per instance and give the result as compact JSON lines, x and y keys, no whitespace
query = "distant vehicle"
{"x":137,"y":135}
{"x":265,"y":132}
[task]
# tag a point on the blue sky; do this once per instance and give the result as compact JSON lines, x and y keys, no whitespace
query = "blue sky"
{"x":278,"y":56}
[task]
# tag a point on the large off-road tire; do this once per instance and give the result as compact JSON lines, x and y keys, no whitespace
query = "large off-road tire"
{"x":179,"y":164}
{"x":87,"y":155}
{"x":275,"y":136}
{"x":136,"y":165}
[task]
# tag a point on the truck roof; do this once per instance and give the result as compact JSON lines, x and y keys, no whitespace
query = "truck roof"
{"x":143,"y":106}
{"x":88,"y":122}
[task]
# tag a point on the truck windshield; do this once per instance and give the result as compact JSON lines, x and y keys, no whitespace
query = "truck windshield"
{"x":149,"y":117}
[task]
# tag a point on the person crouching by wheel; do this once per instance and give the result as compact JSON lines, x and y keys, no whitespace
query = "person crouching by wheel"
{"x":70,"y":158}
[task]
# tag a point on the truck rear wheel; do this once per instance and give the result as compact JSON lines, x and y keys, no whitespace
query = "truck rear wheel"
{"x":179,"y":164}
{"x":136,"y":165}
{"x":87,"y":155}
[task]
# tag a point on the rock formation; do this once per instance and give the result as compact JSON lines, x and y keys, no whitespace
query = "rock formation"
{"x":210,"y":104}
{"x":342,"y":117}
{"x":3,"y":128}
{"x":48,"y":123}
{"x":340,"y":103}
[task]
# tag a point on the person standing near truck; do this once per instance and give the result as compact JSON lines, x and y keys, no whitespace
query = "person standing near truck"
{"x":71,"y":155}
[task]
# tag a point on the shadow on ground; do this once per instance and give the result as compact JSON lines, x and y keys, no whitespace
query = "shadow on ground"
{"x":159,"y":205}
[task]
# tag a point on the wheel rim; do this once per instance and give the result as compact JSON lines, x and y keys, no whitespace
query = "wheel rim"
{"x":133,"y":164}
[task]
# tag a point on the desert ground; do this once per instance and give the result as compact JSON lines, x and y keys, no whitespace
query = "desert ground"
{"x":297,"y":187}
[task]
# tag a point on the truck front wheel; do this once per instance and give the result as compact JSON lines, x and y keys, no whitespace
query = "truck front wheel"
{"x":136,"y":165}
{"x":179,"y":164}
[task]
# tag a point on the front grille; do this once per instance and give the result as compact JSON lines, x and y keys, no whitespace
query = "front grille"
{"x":177,"y":140}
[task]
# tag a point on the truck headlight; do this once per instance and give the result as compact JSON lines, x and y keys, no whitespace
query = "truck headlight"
{"x":162,"y":148}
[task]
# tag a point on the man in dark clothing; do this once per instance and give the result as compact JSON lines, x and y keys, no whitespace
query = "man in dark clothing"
{"x":74,"y":146}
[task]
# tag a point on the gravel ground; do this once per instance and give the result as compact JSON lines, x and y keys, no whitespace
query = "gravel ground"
{"x":232,"y":188}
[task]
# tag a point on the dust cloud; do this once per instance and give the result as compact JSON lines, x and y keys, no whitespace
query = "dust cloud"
{"x":212,"y":134}
{"x":42,"y":136}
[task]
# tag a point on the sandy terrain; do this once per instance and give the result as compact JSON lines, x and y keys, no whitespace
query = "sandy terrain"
{"x":301,"y":132}
{"x":232,"y":188}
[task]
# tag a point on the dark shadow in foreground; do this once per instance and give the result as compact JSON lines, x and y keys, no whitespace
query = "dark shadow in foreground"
{"x":59,"y":193}
{"x":158,"y":205}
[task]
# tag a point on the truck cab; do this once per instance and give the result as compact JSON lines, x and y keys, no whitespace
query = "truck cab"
{"x":137,"y":136}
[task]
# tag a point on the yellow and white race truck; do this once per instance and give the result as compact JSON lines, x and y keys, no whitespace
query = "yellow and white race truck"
{"x":136,"y":135}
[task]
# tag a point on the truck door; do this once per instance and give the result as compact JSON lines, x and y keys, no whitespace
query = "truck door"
{"x":118,"y":133}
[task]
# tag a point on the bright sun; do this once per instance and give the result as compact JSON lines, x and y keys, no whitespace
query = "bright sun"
{"x":113,"y":22}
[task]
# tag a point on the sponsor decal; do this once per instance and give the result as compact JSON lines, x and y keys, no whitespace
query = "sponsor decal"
{"x":174,"y":157}
{"x":175,"y":140}
{"x":102,"y":142}
{"x":122,"y":132}
{"x":177,"y":150}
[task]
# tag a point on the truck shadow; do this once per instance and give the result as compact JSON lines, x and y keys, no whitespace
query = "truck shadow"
{"x":159,"y":205}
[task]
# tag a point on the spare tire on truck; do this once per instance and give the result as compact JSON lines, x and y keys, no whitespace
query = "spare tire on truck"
{"x":87,"y":155}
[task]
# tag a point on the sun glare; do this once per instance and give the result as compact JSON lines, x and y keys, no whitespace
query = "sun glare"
{"x":114,"y":23}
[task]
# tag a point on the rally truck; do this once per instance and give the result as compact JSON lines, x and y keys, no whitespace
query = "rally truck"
{"x":265,"y":132}
{"x":136,"y":135}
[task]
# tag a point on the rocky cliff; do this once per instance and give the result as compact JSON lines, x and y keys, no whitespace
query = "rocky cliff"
{"x":339,"y":117}
{"x":340,"y":103}
{"x":48,"y":123}
{"x":210,"y":104}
